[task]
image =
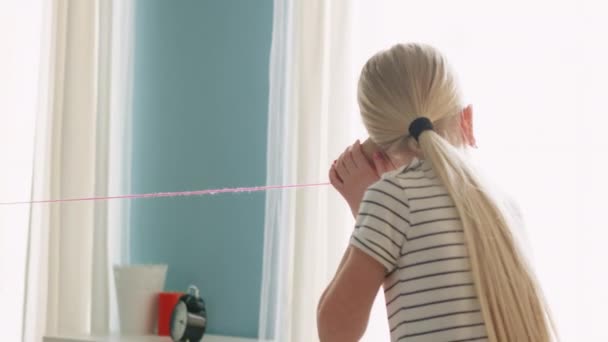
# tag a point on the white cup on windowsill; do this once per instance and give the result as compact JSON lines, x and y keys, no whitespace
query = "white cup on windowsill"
{"x":137,"y":288}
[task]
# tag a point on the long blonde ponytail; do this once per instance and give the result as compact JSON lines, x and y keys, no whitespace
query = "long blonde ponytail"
{"x":412,"y":80}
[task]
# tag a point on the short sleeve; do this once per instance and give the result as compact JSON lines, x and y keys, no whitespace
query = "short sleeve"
{"x":381,"y":223}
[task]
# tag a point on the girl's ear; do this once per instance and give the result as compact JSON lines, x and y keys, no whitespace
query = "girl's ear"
{"x":466,"y":126}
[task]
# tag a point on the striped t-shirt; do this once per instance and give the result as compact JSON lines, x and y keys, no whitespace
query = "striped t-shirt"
{"x":408,"y":222}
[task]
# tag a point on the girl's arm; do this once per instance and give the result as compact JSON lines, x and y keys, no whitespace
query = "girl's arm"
{"x":344,"y":308}
{"x":344,"y":257}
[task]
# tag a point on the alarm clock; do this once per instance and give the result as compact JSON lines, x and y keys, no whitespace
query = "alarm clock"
{"x":189,"y":317}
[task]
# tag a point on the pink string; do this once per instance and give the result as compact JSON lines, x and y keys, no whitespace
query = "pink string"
{"x":172,"y":194}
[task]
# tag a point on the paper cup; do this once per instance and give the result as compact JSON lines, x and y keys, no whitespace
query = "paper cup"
{"x":137,"y":289}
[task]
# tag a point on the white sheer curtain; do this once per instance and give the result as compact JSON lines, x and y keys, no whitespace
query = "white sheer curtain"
{"x":535,"y":74}
{"x":70,"y":146}
{"x":312,"y":118}
{"x":20,"y":28}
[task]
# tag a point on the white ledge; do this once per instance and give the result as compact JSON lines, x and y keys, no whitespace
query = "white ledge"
{"x":207,"y":338}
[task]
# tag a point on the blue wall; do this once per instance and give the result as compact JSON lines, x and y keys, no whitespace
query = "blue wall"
{"x":200,"y":111}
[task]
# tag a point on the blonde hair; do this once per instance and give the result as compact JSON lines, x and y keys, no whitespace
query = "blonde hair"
{"x":413,"y":80}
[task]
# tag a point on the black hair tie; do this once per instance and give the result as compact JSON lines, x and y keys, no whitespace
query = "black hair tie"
{"x":420,"y":125}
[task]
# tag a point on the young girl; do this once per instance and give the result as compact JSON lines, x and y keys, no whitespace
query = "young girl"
{"x":427,"y":229}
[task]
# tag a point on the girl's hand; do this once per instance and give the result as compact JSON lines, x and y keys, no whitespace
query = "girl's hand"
{"x":351,"y":174}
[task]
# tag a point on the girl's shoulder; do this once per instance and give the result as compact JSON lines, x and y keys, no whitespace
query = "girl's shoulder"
{"x":414,"y":179}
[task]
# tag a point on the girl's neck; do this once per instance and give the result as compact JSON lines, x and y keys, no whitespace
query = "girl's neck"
{"x":402,"y":159}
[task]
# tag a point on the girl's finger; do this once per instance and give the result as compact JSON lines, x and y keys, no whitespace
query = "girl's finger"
{"x":359,"y":158}
{"x":341,"y":168}
{"x":334,"y":179}
{"x":349,"y":163}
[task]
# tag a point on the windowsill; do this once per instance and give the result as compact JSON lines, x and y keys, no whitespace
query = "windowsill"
{"x":207,"y":338}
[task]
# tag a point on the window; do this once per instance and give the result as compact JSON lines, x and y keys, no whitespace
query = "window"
{"x":535,"y":73}
{"x":20,"y":28}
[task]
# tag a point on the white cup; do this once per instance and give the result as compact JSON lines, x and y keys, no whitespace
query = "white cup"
{"x":137,"y":288}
